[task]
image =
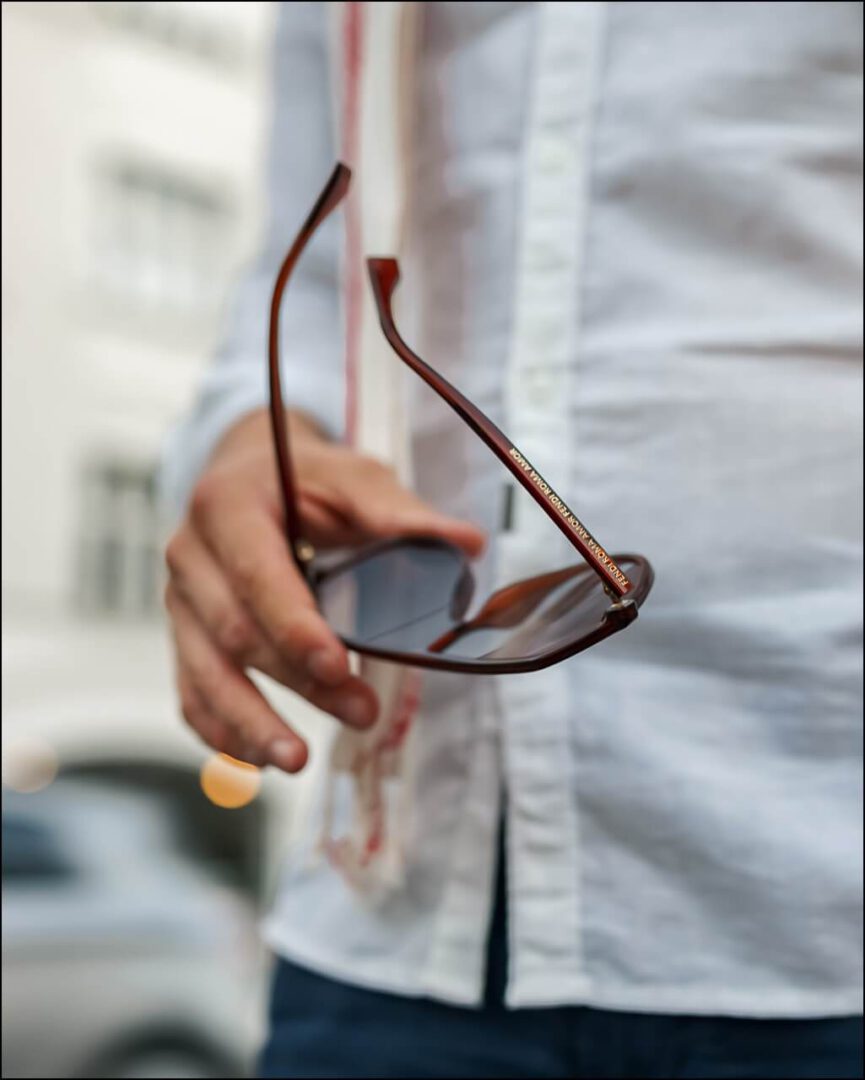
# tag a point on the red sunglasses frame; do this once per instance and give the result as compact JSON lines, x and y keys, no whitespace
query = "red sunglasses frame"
{"x":626,"y":595}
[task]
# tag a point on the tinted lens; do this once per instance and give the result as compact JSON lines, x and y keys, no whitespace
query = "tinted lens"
{"x":400,"y":598}
{"x":413,"y":599}
{"x":533,"y":617}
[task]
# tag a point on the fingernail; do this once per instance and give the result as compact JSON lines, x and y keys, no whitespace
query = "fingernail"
{"x":356,"y":712}
{"x":285,"y":755}
{"x":327,"y":666}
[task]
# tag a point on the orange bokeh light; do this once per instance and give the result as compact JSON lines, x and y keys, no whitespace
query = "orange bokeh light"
{"x":229,"y":783}
{"x":30,"y":763}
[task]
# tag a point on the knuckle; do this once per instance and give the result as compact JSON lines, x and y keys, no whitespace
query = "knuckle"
{"x":206,"y":495}
{"x":203,"y":672}
{"x":245,"y":730}
{"x":289,"y":637}
{"x":306,"y":687}
{"x":174,"y":553}
{"x":246,"y":573}
{"x":235,"y":635}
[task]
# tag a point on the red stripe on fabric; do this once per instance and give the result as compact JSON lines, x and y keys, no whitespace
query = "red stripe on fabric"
{"x":352,"y":45}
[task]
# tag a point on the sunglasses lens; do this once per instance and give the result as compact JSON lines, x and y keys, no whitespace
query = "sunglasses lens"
{"x":400,"y":598}
{"x":533,"y":617}
{"x":413,"y":598}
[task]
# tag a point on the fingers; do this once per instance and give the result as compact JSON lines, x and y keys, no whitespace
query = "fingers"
{"x":354,"y":703}
{"x":199,"y":580}
{"x":209,"y":728}
{"x":246,"y":541}
{"x":223,"y":705}
{"x":198,"y":583}
{"x":197,"y":577}
{"x":349,"y":497}
{"x":385,"y":508}
{"x":237,"y":600}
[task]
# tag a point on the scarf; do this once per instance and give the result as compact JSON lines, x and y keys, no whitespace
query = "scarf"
{"x":370,"y":772}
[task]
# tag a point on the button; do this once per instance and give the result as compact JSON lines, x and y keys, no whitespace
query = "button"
{"x":540,"y":388}
{"x":553,"y":155}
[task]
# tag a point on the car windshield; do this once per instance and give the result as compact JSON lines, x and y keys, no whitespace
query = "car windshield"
{"x":73,"y":827}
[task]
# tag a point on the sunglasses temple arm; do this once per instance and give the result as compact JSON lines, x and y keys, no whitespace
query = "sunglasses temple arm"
{"x":333,"y":193}
{"x":384,"y":275}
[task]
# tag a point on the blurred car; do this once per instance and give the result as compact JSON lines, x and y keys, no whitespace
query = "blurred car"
{"x":121,"y":957}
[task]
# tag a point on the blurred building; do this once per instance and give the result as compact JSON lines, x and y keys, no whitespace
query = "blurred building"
{"x":133,"y":145}
{"x":133,"y":149}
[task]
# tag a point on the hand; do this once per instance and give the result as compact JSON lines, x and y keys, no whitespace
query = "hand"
{"x":236,"y":600}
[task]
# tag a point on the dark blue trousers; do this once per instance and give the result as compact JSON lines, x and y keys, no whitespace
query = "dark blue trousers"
{"x":324,"y":1028}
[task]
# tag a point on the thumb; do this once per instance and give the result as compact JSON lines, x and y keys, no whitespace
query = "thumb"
{"x":389,"y":509}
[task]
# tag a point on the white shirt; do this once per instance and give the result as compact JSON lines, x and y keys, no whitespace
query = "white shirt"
{"x":636,"y":243}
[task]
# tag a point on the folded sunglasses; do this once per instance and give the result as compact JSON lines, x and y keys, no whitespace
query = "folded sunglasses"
{"x":409,"y":599}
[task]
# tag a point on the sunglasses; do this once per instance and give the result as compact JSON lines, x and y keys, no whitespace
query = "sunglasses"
{"x":408,"y":599}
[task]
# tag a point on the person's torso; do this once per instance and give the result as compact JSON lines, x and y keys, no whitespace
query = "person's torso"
{"x":682,"y":800}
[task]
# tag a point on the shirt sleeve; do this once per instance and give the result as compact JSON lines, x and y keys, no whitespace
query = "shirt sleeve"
{"x":301,"y":156}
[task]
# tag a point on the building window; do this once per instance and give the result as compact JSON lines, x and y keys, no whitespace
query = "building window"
{"x":119,"y":551}
{"x":211,"y":31}
{"x":160,"y":239}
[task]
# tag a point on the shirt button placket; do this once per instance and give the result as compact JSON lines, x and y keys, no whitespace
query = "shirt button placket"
{"x":544,"y":901}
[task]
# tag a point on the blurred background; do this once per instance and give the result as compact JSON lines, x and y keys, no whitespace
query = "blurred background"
{"x":133,"y":136}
